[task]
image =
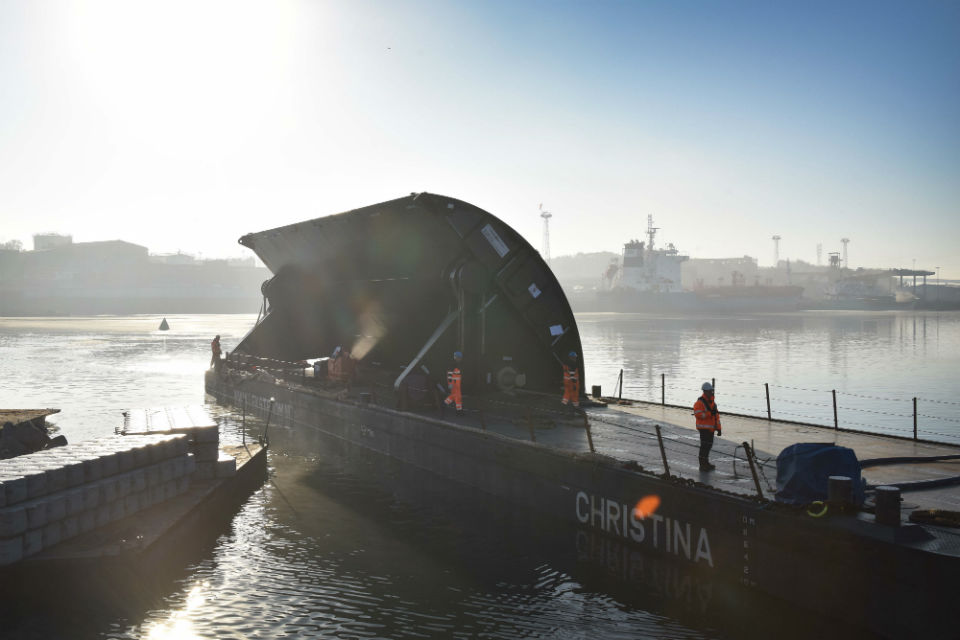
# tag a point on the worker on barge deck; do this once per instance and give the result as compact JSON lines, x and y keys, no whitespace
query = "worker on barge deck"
{"x":571,"y":380}
{"x":215,"y":352}
{"x":708,"y":422}
{"x":454,"y":376}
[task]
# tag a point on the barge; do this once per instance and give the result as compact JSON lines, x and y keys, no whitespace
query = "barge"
{"x":403,"y":284}
{"x":121,"y":499}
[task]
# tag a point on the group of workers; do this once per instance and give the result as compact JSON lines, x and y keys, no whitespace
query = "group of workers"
{"x":704,"y":409}
{"x":571,"y":382}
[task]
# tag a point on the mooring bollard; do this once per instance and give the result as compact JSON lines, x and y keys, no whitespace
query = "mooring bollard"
{"x":840,"y":492}
{"x":888,"y":506}
{"x":364,"y":398}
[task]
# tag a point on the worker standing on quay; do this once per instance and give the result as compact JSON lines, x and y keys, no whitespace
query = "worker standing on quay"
{"x":215,"y":352}
{"x":571,"y":380}
{"x":708,"y":422}
{"x":454,"y":376}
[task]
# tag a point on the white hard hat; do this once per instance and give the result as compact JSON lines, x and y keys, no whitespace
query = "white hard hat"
{"x":707,"y":386}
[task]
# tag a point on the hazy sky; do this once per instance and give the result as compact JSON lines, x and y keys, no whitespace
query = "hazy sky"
{"x":183,"y":125}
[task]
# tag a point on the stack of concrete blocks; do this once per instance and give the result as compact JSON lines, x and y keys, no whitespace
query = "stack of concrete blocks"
{"x":201,"y":431}
{"x":56,"y":494}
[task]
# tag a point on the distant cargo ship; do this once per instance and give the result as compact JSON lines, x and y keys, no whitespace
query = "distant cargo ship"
{"x":649,"y":280}
{"x":61,"y":277}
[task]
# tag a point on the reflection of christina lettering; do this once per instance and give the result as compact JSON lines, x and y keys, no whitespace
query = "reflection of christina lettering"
{"x":619,"y":519}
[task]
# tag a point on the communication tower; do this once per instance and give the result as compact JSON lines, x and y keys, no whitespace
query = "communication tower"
{"x":651,"y":231}
{"x":846,"y":263}
{"x":776,"y":250}
{"x":546,"y":215}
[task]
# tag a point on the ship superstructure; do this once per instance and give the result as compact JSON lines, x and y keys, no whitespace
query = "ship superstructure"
{"x":648,"y":269}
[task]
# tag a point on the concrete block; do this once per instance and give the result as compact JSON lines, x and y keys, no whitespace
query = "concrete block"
{"x":153,"y":475}
{"x":74,"y":472}
{"x":36,"y":482}
{"x":127,"y":459}
{"x":183,"y":484}
{"x":108,"y":489}
{"x":32,"y":542}
{"x":132,"y":503}
{"x":170,"y":490}
{"x":124,"y":484}
{"x":181,"y":446}
{"x":88,"y":521}
{"x":156,"y":494}
{"x":51,"y":534}
{"x":92,"y":470}
{"x":36,"y":513}
{"x":191,"y":464}
{"x":13,"y":521}
{"x":139,"y":480}
{"x":206,"y":452}
{"x":207,"y":434}
{"x":141,"y":455}
{"x":110,"y":463}
{"x":56,"y":507}
{"x":205,"y":471}
{"x":56,"y":477}
{"x":166,"y":471}
{"x":91,"y":495}
{"x":104,"y":511}
{"x":118,"y":510}
{"x":11,"y":550}
{"x":158,"y":451}
{"x":70,"y":527}
{"x":226,"y":466}
{"x":179,"y":466}
{"x":75,"y":501}
{"x":14,"y":488}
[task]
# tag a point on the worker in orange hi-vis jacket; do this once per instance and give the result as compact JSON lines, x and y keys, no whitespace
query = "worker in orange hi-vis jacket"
{"x":571,"y":380}
{"x":454,"y":376}
{"x":708,"y":423}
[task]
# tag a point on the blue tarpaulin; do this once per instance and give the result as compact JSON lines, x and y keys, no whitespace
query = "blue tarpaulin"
{"x":803,"y":471}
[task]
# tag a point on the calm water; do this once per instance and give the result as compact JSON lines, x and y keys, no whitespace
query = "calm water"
{"x":362,"y":551}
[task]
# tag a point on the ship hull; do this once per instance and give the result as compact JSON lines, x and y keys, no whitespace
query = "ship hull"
{"x":842,"y":567}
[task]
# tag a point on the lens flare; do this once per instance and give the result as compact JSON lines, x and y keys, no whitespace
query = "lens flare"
{"x":647,"y":506}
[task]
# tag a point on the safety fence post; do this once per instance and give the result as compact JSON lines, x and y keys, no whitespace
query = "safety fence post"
{"x":243,"y":422}
{"x":483,"y":422}
{"x":663,"y":389}
{"x":914,"y":418}
{"x":767,"y":387}
{"x":713,"y":383}
{"x":836,"y":421}
{"x":620,"y":383}
{"x":533,"y":429}
{"x":663,"y":452}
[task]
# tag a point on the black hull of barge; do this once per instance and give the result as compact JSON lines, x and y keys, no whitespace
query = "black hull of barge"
{"x":846,"y":567}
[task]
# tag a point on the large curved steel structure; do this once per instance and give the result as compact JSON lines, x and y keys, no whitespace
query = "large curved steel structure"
{"x":404,"y":283}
